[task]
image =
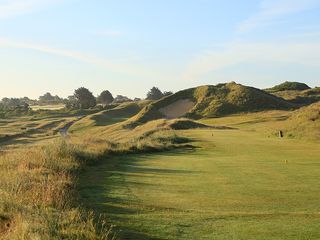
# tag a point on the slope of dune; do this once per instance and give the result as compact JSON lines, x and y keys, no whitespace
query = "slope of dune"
{"x":304,"y":123}
{"x":211,"y":101}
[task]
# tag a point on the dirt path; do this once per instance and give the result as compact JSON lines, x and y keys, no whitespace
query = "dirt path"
{"x":64,"y":131}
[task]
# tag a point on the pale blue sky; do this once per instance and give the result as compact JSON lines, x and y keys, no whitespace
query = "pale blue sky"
{"x":128,"y":46}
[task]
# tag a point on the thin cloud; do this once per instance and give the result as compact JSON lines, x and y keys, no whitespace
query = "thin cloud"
{"x":13,"y":8}
{"x":114,"y":66}
{"x":237,"y":53}
{"x":273,"y":10}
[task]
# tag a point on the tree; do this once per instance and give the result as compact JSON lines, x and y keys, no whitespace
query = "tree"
{"x":121,"y":99}
{"x":154,"y":94}
{"x":17,"y":105}
{"x":167,"y":93}
{"x":105,"y":98}
{"x":71,"y":102}
{"x":46,"y":98}
{"x":85,"y":98}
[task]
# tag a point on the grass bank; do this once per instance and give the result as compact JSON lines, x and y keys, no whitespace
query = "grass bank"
{"x":38,"y":196}
{"x":38,"y":199}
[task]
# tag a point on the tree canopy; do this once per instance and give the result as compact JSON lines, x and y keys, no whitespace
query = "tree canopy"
{"x":154,"y":94}
{"x":48,"y":98}
{"x":121,"y":99}
{"x":105,"y":98}
{"x":85,"y":98}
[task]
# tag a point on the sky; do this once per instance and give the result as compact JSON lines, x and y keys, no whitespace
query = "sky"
{"x":129,"y":46}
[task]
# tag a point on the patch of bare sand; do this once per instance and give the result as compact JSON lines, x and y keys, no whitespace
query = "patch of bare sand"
{"x":177,"y":109}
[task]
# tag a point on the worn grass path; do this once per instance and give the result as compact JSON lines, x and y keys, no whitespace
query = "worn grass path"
{"x":235,"y":186}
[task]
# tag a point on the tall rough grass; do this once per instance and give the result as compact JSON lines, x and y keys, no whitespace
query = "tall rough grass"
{"x":149,"y":141}
{"x":37,"y":198}
{"x":38,"y":186}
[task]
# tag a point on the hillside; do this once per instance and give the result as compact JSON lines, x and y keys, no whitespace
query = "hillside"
{"x":303,"y":97}
{"x":288,"y":86}
{"x":304,"y":123}
{"x":111,"y":116}
{"x":210,"y":101}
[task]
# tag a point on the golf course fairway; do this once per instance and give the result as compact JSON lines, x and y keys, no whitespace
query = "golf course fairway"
{"x":237,"y":184}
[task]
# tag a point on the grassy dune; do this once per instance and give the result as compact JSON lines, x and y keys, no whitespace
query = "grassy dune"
{"x":108,"y":117}
{"x":238,"y":184}
{"x":304,"y":123}
{"x":289,"y":86}
{"x":215,"y":101}
{"x":304,"y":97}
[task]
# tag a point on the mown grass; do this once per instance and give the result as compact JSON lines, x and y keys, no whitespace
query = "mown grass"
{"x":238,"y":184}
{"x":48,"y":107}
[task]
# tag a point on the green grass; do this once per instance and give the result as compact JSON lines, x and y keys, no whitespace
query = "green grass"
{"x":236,"y":185}
{"x":289,"y":86}
{"x":215,"y":101}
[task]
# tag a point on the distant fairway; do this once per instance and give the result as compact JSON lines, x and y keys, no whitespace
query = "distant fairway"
{"x":47,"y":107}
{"x":237,"y":185}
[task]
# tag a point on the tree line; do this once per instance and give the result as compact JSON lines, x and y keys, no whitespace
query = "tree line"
{"x":82,"y":98}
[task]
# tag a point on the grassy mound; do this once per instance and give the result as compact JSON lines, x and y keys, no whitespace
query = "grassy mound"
{"x":123,"y":111}
{"x":215,"y":101}
{"x":111,"y":116}
{"x":182,"y":124}
{"x":304,"y":97}
{"x":304,"y":123}
{"x":185,"y":124}
{"x":288,"y":86}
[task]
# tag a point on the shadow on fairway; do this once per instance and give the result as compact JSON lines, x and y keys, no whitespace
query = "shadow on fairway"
{"x":99,"y":182}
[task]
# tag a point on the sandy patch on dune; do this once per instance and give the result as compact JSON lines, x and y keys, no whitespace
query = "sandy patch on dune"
{"x":177,"y":109}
